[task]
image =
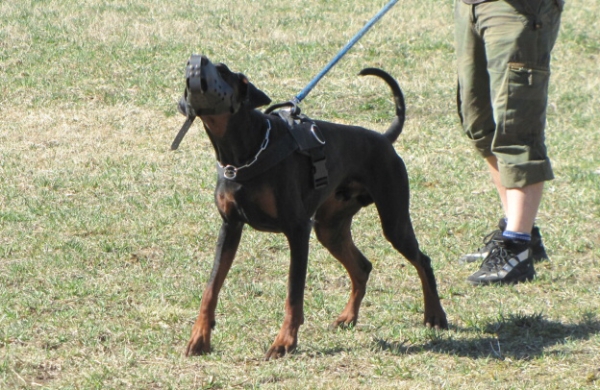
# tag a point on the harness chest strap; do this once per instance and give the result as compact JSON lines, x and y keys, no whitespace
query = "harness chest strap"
{"x":311,"y":144}
{"x":303,"y":138}
{"x":310,"y":141}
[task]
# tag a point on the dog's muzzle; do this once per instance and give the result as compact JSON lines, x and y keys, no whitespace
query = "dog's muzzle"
{"x":206,"y":92}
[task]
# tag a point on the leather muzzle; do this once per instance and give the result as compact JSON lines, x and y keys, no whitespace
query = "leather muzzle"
{"x":206,"y":92}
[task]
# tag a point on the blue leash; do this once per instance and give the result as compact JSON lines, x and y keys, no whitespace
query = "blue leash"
{"x":298,"y":98}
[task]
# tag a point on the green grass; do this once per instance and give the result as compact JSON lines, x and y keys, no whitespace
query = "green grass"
{"x":107,"y":237}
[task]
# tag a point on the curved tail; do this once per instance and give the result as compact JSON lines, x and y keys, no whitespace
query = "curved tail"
{"x":395,"y":128}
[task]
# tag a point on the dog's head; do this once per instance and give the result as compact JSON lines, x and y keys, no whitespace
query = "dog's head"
{"x":214,"y":89}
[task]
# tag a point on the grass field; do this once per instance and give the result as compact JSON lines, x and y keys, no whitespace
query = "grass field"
{"x":107,"y":237}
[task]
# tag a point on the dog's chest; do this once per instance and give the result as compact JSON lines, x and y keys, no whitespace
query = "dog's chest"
{"x":256,"y":206}
{"x":226,"y":202}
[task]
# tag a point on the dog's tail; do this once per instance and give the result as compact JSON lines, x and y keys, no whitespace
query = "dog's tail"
{"x":395,"y":128}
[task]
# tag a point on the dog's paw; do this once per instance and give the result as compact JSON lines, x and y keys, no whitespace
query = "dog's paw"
{"x":279,"y":351}
{"x":436,"y":321}
{"x":347,"y":318}
{"x":285,"y":343}
{"x":343,"y":322}
{"x":199,"y":344}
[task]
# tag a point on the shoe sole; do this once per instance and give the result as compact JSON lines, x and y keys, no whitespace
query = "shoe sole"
{"x":523,"y":278}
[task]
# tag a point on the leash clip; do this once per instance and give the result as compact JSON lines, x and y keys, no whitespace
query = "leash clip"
{"x":315,"y":132}
{"x":291,"y":106}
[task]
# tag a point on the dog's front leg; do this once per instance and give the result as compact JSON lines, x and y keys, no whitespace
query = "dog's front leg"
{"x":229,"y":239}
{"x":287,"y":339}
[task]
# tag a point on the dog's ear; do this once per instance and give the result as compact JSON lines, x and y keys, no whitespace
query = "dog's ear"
{"x":254,"y":97}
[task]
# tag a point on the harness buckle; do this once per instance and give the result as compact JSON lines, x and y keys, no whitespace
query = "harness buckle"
{"x":320,"y":176}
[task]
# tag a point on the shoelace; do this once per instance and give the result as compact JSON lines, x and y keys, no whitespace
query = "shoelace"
{"x":488,"y":240}
{"x":498,"y":255}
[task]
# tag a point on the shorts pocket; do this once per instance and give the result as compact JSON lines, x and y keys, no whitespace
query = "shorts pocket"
{"x":526,"y":100}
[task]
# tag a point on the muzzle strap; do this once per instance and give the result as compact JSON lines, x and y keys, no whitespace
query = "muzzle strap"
{"x":184,"y":129}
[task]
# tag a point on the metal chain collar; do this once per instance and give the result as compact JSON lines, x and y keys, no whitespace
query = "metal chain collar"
{"x":230,"y":171}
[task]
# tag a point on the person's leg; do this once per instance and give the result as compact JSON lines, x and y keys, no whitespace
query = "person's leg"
{"x":492,"y":163}
{"x":474,"y":103}
{"x":516,"y":212}
{"x":519,"y":67}
{"x":473,"y":95}
{"x":520,"y":205}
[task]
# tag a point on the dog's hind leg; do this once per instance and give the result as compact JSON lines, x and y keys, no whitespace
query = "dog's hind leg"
{"x":333,"y":231}
{"x":406,"y":244}
{"x":402,"y":237}
{"x":392,"y":204}
{"x":229,"y":239}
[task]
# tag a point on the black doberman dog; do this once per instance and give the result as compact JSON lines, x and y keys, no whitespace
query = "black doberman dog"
{"x":277,"y":192}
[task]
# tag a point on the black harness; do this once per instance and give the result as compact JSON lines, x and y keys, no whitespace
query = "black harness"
{"x":310,"y":143}
{"x":303,"y":136}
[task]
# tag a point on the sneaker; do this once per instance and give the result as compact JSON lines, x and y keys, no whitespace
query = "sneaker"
{"x":506,"y":264}
{"x":538,"y":252}
{"x":484,"y":251}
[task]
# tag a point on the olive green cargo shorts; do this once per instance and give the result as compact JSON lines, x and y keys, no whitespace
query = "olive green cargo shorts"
{"x":503,"y":66}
